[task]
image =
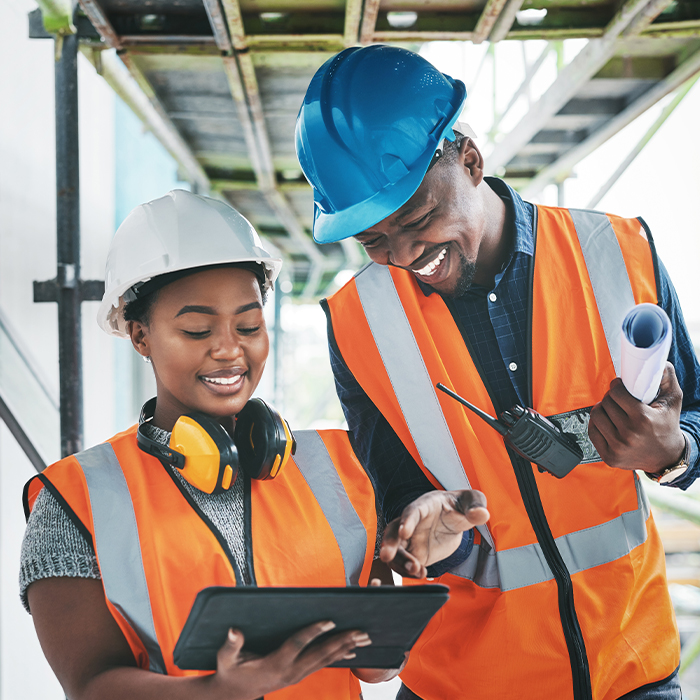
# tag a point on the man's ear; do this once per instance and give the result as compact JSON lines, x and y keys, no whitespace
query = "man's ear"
{"x":472,"y":160}
{"x":138,"y":332}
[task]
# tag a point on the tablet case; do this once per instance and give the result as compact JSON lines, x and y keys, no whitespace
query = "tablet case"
{"x":393,"y":616}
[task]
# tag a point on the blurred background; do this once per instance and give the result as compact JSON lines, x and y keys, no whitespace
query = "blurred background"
{"x":578,"y":104}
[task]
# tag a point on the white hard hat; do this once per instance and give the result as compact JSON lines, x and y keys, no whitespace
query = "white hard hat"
{"x":176,"y":232}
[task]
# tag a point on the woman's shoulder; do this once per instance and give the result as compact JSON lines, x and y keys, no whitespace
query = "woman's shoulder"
{"x":125,"y":438}
{"x":64,"y":475}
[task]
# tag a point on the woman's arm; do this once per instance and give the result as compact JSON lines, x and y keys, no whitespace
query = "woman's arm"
{"x":93,"y":661}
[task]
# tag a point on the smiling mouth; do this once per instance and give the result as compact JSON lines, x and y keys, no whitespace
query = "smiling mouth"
{"x":222,"y":381}
{"x":433,"y":265}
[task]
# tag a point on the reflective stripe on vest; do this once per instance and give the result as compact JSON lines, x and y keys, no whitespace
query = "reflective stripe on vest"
{"x":391,"y":330}
{"x":316,"y":466}
{"x":608,"y":274}
{"x":119,"y":552}
{"x":580,"y":550}
{"x":410,"y":379}
{"x":117,"y":545}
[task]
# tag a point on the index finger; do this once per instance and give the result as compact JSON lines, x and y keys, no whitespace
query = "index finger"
{"x":619,"y":394}
{"x":299,"y":641}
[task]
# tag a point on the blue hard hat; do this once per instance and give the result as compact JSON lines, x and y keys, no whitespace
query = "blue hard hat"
{"x":368,"y":128}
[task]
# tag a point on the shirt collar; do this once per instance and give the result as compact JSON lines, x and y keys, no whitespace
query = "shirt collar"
{"x":518,"y":215}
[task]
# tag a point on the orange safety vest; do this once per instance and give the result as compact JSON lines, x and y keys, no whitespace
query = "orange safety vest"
{"x":156,"y":553}
{"x":564,"y":594}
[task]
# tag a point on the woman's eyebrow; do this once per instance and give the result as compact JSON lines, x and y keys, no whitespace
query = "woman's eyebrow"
{"x":210,"y":311}
{"x":196,"y":310}
{"x":248,"y":307}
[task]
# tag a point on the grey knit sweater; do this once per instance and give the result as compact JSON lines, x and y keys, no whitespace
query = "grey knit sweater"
{"x":53,"y":545}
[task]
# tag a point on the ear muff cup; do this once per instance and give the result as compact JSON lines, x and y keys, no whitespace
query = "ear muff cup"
{"x":211,"y":463}
{"x":263,"y":439}
{"x":207,"y":457}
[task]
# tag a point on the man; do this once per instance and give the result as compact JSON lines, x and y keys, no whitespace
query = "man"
{"x":563,"y":593}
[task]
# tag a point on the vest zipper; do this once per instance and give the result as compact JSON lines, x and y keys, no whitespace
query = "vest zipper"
{"x":527,"y":485}
{"x":575,"y":644}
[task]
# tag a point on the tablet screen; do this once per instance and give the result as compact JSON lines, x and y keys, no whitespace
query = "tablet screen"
{"x":393,"y":616}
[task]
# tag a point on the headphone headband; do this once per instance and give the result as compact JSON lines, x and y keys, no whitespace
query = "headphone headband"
{"x":151,"y":446}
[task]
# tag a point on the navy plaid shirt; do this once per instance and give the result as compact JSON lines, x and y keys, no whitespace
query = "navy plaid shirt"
{"x":495,"y":321}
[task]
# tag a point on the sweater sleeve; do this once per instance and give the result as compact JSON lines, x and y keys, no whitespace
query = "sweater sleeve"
{"x":53,"y":547}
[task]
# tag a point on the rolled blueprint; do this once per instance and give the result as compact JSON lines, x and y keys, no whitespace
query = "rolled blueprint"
{"x":646,"y":340}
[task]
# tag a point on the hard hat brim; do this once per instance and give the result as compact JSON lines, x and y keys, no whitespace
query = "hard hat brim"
{"x":111,"y":320}
{"x":338,"y":225}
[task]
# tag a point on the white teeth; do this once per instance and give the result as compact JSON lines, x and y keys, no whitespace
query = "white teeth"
{"x":433,"y":265}
{"x":222,"y":380}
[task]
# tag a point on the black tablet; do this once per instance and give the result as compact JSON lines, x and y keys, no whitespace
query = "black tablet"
{"x":393,"y":616}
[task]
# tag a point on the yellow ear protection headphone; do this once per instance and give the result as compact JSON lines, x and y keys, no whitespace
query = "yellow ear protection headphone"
{"x":209,"y":458}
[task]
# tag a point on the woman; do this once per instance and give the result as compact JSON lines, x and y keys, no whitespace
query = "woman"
{"x":122,"y":536}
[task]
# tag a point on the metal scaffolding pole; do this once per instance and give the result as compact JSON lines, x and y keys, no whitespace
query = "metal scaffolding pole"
{"x":67,"y":288}
{"x":68,"y":248}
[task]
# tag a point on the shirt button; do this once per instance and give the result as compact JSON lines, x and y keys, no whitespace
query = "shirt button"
{"x":512,"y":366}
{"x":492,"y":297}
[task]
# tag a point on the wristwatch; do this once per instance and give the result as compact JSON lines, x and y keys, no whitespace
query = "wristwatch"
{"x":671,"y":473}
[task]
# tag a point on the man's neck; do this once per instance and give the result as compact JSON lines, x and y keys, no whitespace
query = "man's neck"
{"x":497,"y":243}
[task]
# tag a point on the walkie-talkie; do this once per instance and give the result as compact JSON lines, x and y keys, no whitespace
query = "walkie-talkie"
{"x":532,"y":436}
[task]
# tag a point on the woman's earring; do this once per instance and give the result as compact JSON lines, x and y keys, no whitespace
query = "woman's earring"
{"x":146,"y":358}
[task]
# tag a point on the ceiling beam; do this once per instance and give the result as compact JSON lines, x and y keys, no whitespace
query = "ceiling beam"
{"x":673,"y":29}
{"x":229,"y":185}
{"x":243,"y":84}
{"x":505,"y":20}
{"x":353,"y":15}
{"x":369,"y":21}
{"x":99,"y":20}
{"x":234,"y":19}
{"x":646,"y":17}
{"x":295,"y":42}
{"x":408,"y":35}
{"x":218,"y":24}
{"x":174,"y":40}
{"x":487,"y":20}
{"x":588,"y":62}
{"x":562,"y":167}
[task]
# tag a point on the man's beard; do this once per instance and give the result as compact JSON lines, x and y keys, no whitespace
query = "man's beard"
{"x":467,"y":270}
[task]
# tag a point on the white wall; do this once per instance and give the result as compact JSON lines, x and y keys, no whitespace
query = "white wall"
{"x":28,"y":253}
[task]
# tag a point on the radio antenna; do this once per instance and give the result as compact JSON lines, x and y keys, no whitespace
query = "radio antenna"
{"x":484,"y":416}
